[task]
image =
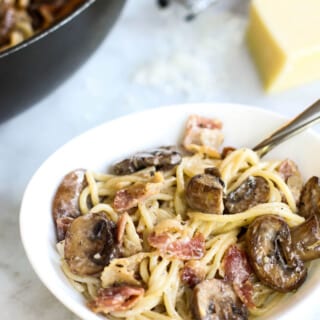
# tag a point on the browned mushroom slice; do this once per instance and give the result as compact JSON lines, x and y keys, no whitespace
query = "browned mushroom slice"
{"x":310,"y":198}
{"x":214,"y":171}
{"x":65,"y":205}
{"x":162,"y":157}
{"x":306,"y":239}
{"x":90,"y":244}
{"x":215,"y":300}
{"x":204,"y":192}
{"x":270,"y":253}
{"x":250,"y":193}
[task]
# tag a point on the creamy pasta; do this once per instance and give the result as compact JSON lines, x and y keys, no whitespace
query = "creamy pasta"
{"x":172,"y":260}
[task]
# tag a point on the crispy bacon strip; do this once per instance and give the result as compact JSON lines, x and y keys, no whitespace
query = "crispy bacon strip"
{"x":121,"y":226}
{"x":245,"y":293}
{"x":203,"y":135}
{"x":128,"y":198}
{"x":291,"y":175}
{"x":115,"y":299}
{"x":236,"y":265}
{"x":184,"y":249}
{"x":193,"y":273}
{"x":62,"y":225}
{"x":238,"y":272}
{"x":226,"y":151}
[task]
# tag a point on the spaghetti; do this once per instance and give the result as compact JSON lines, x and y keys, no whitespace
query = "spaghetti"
{"x":168,"y":249}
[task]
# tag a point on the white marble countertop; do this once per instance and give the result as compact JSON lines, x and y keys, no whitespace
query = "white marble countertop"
{"x":151,"y":58}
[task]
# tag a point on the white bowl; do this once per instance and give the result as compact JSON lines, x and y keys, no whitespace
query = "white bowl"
{"x":103,"y":145}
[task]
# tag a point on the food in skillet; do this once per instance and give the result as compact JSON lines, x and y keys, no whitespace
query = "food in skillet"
{"x":21,"y":19}
{"x":197,"y":233}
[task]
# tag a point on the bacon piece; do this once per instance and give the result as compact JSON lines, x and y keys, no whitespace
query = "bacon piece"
{"x":193,"y":273}
{"x":238,"y":272}
{"x":127,"y":246}
{"x":130,"y":197}
{"x":115,"y":299}
{"x":121,"y":226}
{"x":203,"y":135}
{"x":62,"y":225}
{"x":236,"y":265}
{"x":245,"y":293}
{"x":226,"y":151}
{"x":291,"y":175}
{"x":184,"y":249}
{"x":287,"y":168}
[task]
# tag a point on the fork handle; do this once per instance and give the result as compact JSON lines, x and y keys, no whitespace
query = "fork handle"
{"x":301,"y":122}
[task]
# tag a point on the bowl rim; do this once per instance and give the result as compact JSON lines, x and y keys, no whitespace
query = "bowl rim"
{"x":52,"y":28}
{"x":71,"y":306}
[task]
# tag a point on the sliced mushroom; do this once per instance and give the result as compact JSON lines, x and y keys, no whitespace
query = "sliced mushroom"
{"x":251,"y":192}
{"x":214,"y":171}
{"x":161,"y":158}
{"x":310,"y":198}
{"x":271,"y":255}
{"x":204,"y":192}
{"x":306,"y":239}
{"x":65,"y":205}
{"x":90,"y":244}
{"x":215,"y":300}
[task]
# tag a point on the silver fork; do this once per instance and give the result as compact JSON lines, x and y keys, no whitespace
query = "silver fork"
{"x":301,"y":122}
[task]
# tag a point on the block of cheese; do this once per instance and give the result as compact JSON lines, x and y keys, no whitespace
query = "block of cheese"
{"x":284,"y":39}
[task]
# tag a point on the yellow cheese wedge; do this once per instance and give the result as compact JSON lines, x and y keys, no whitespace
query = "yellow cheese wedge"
{"x":284,"y":39}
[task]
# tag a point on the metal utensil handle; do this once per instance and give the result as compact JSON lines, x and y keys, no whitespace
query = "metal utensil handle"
{"x":301,"y":122}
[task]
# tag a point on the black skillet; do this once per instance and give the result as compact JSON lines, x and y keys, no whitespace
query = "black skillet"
{"x":32,"y":69}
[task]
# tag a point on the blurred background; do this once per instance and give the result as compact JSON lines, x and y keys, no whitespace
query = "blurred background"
{"x":152,"y":57}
